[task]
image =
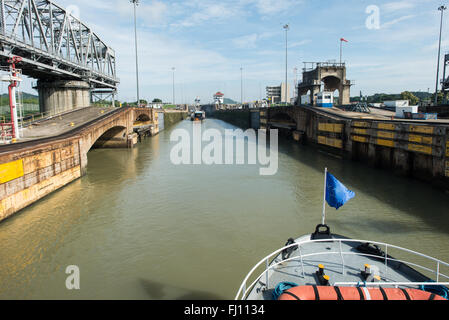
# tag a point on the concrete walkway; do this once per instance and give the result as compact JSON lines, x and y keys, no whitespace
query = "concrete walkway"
{"x":376,"y":114}
{"x":63,"y":123}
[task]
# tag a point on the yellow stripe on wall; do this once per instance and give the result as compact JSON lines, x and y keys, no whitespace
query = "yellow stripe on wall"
{"x":385,"y":143}
{"x":422,"y":129}
{"x":386,"y":126}
{"x":419,"y":148}
{"x":11,"y":170}
{"x":420,"y":139}
{"x":385,"y":134}
{"x":336,"y":143}
{"x":360,"y":131}
{"x":360,"y":124}
{"x":359,"y":139}
{"x":330,"y":127}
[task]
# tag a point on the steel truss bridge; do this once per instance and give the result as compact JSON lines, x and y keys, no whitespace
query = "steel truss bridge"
{"x":55,"y":45}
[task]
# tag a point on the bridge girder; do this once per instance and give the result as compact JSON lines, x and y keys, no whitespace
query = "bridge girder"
{"x":54,"y":44}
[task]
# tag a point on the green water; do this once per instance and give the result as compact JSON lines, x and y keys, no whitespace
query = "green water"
{"x":139,"y":227}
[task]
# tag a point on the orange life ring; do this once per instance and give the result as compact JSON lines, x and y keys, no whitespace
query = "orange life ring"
{"x":356,"y":293}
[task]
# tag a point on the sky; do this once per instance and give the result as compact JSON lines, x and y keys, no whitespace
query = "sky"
{"x":392,"y":45}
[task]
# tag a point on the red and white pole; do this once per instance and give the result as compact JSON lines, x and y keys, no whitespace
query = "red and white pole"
{"x":12,"y":98}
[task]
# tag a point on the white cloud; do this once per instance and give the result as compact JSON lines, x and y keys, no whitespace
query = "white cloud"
{"x":395,"y":21}
{"x":151,"y":13}
{"x":434,"y":45}
{"x":298,"y":43}
{"x":398,"y":5}
{"x":270,"y":7}
{"x":206,"y":11}
{"x":250,"y":41}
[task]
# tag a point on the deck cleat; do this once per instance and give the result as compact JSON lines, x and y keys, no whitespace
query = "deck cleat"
{"x":323,"y":279}
{"x":320,"y":271}
{"x":367,"y":273}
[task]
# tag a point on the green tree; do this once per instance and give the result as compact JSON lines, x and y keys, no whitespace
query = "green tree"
{"x":156,"y":100}
{"x":407,"y":95}
{"x":439,"y":99}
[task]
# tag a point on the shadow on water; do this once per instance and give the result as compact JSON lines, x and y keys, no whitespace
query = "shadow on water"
{"x":415,"y":197}
{"x":160,"y":291}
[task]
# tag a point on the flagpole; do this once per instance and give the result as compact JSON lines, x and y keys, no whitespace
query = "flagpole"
{"x":324,"y":197}
{"x":341,"y":49}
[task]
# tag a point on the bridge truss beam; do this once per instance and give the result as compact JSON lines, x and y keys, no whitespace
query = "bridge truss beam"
{"x":54,"y":44}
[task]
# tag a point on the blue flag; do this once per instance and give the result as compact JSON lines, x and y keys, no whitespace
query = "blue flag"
{"x":336,"y":193}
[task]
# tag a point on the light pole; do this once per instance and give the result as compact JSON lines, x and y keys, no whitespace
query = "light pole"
{"x":441,"y":8}
{"x":173,"y":85}
{"x":136,"y":3}
{"x":286,"y":27}
{"x":295,"y":83}
{"x":241,"y":84}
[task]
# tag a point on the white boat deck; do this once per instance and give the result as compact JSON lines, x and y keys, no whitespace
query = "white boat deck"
{"x":343,"y":264}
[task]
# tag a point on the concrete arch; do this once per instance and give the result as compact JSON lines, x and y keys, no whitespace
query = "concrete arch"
{"x":333,"y":75}
{"x":331,"y":83}
{"x":142,"y":118}
{"x":115,"y":137}
{"x":142,"y":114}
{"x":282,"y":117}
{"x":92,"y":136}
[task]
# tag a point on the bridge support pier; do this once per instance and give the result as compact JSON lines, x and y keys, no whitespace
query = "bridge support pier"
{"x":63,"y":95}
{"x":345,"y":94}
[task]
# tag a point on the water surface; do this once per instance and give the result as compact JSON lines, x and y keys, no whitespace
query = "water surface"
{"x":139,"y":227}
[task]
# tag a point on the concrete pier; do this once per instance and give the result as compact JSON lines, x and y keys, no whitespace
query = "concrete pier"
{"x":63,"y":95}
{"x":332,"y":75}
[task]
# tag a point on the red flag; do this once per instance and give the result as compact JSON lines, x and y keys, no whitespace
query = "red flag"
{"x":343,"y":39}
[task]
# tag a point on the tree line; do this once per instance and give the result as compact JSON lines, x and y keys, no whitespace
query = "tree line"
{"x":414,"y":98}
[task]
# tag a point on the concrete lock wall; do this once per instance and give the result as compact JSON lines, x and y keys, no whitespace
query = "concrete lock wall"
{"x":32,"y":170}
{"x":414,"y":149}
{"x":60,"y":96}
{"x":161,"y":121}
{"x":172,"y":117}
{"x":33,"y":173}
{"x":240,"y":117}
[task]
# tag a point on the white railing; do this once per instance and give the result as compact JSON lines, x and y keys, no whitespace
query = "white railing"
{"x":244,"y":289}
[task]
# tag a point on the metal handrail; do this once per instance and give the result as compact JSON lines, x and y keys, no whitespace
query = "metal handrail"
{"x":394,"y":284}
{"x":244,"y":290}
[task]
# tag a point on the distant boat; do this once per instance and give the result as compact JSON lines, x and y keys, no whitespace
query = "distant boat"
{"x":198,"y":115}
